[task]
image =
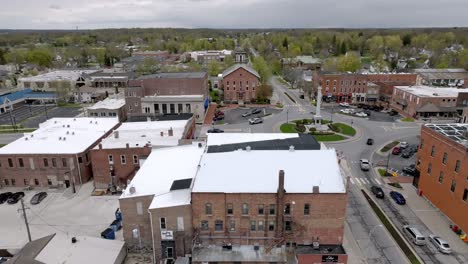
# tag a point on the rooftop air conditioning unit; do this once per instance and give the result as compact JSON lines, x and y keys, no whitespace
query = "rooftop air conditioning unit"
{"x":132,"y":190}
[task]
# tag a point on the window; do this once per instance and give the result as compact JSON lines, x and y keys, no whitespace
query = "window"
{"x":135,"y":159}
{"x":164,"y":108}
{"x":245,"y":209}
{"x":180,"y":108}
{"x":272,"y":209}
{"x":288,"y":226}
{"x":453,"y":185}
{"x":457,"y":166}
{"x":208,"y":208}
{"x":441,"y":177}
{"x":465,"y":195}
{"x":20,"y":162}
{"x":287,"y":209}
{"x":64,"y":162}
{"x":306,"y":209}
{"x":261,"y":209}
{"x":253,"y":225}
{"x":123,"y":159}
{"x":54,"y":162}
{"x":218,"y":225}
{"x":80,"y":160}
{"x":429,"y":168}
{"x":261,"y":227}
{"x":13,"y":182}
{"x":444,"y":158}
{"x":46,"y":163}
{"x":162,"y":222}
{"x":139,"y":206}
{"x":187,"y":108}
{"x":10,"y":163}
{"x":49,"y":182}
{"x":111,"y":158}
{"x":25,"y":182}
{"x":204,"y":225}
{"x":229,"y":209}
{"x":433,"y":151}
{"x":172,"y":108}
{"x":271,"y":226}
{"x":7,"y":182}
{"x":232,"y":225}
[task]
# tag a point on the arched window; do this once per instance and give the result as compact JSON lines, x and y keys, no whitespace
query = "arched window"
{"x":208,"y":208}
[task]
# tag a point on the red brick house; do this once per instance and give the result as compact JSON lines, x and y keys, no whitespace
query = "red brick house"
{"x":239,"y":83}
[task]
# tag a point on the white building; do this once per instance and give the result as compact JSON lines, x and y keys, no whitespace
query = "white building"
{"x":112,"y":106}
{"x":55,"y":80}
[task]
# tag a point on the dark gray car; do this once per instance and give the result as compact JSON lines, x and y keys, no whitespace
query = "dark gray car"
{"x":38,"y":197}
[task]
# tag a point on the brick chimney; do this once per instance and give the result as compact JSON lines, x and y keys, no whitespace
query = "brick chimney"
{"x":170,"y":132}
{"x":100,"y":146}
{"x":162,"y":133}
{"x":280,"y":205}
{"x":127,"y":145}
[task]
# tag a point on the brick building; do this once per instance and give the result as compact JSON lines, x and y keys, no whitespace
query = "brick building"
{"x":425,"y":102}
{"x":266,"y":208}
{"x":239,"y":83}
{"x":56,"y":154}
{"x":112,"y":106}
{"x":442,"y":164}
{"x":117,"y":158}
{"x":352,"y":88}
{"x":168,"y":93}
{"x":442,"y":77}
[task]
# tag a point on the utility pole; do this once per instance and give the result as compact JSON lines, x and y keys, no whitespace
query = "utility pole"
{"x":25,"y":219}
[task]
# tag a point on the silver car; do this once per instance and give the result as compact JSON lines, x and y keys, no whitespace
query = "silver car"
{"x":440,"y":244}
{"x":365,"y":166}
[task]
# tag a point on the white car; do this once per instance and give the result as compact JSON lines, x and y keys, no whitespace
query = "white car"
{"x":255,"y":120}
{"x":365,"y":166}
{"x":403,"y":144}
{"x":344,"y":104}
{"x":440,"y":244}
{"x":361,"y":114}
{"x":345,"y":111}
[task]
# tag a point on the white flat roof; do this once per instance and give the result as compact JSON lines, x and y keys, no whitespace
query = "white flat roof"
{"x":234,"y":138}
{"x":138,"y":134}
{"x":85,"y":250}
{"x":172,"y":198}
{"x":164,"y":166}
{"x":428,"y":91}
{"x":256,"y":171}
{"x":62,"y":136}
{"x":109,"y":103}
{"x":71,"y":75}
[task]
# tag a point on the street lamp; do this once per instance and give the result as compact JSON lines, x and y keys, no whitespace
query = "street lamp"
{"x":287,"y":115}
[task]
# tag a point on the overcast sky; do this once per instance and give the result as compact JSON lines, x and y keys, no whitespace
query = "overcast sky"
{"x":91,"y":14}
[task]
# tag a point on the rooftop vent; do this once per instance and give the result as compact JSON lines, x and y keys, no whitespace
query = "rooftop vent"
{"x":435,"y":94}
{"x":162,"y":133}
{"x":68,"y":132}
{"x":256,"y":247}
{"x":64,"y":138}
{"x":73,"y":240}
{"x":291,"y":148}
{"x":315,"y":189}
{"x":60,"y":138}
{"x":68,"y":125}
{"x":132,"y":190}
{"x":316,"y":245}
{"x":116,"y":134}
{"x":200,"y":144}
{"x":248,"y":148}
{"x":91,"y":121}
{"x":26,"y":138}
{"x":73,"y":133}
{"x":95,"y":122}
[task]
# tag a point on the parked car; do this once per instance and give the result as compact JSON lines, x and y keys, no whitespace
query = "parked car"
{"x":361,"y":114}
{"x":370,"y":141}
{"x":219,"y":113}
{"x":398,"y":197}
{"x":344,"y":104}
{"x":246,"y":114}
{"x":396,"y":151}
{"x":365,"y":166}
{"x":215,"y":130}
{"x":413,"y":148}
{"x":14,"y":198}
{"x":406,"y":154}
{"x":440,"y":244}
{"x":377,"y":191}
{"x":414,"y":235}
{"x":256,"y":111}
{"x":255,"y":120}
{"x":367,"y":112}
{"x":38,"y":197}
{"x":393,"y":113}
{"x":301,"y":96}
{"x":218,"y":118}
{"x":404,"y":144}
{"x":4,"y":197}
{"x":410,"y":170}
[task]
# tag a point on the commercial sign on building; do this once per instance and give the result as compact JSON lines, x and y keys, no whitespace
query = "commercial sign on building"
{"x":329,"y":258}
{"x":167,"y":235}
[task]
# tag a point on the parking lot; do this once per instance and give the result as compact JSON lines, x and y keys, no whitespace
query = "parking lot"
{"x":234,"y":116}
{"x":32,"y":116}
{"x":62,"y":212}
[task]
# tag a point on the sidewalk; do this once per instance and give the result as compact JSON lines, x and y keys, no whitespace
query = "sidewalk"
{"x":435,"y":220}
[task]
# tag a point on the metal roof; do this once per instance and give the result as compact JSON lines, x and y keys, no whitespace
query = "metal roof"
{"x":456,"y":132}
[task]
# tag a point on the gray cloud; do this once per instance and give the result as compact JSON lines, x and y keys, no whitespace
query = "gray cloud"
{"x":64,"y":14}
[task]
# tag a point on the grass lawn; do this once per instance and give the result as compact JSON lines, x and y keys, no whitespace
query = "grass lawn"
{"x":334,"y":137}
{"x":382,"y":172}
{"x":389,"y":146}
{"x":407,"y":119}
{"x":279,"y":105}
{"x":345,"y":129}
{"x":288,"y":128}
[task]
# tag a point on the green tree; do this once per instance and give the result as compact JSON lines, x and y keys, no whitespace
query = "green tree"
{"x":148,"y":66}
{"x":343,"y":48}
{"x":375,"y":45}
{"x":393,"y":42}
{"x":406,"y":40}
{"x":16,"y":56}
{"x":462,"y":59}
{"x":214,"y":68}
{"x":285,"y":43}
{"x":229,"y":61}
{"x":41,"y":57}
{"x":420,"y":41}
{"x":349,"y":63}
{"x":2,"y":56}
{"x":261,"y":66}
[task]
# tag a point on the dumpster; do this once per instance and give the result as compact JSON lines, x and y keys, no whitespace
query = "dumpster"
{"x":118,"y":214}
{"x":116,"y":225}
{"x":108,"y":234}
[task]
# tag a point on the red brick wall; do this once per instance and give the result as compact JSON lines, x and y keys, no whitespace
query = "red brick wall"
{"x":231,"y":92}
{"x":132,"y":220}
{"x":440,"y":194}
{"x":326,"y":219}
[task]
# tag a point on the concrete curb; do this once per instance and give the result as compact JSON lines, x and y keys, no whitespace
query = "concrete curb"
{"x":397,"y":230}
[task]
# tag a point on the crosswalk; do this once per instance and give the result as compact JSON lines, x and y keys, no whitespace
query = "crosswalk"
{"x":364,"y":181}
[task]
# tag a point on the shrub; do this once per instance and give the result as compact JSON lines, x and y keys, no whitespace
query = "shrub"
{"x":312,"y":129}
{"x":301,"y":128}
{"x":306,"y":121}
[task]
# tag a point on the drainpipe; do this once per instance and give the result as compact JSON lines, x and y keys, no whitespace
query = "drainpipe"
{"x":152,"y":236}
{"x":79,"y":170}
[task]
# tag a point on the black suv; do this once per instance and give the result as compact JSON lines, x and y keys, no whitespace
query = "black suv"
{"x":15,"y":197}
{"x":377,"y":191}
{"x":410,"y":170}
{"x":370,"y":141}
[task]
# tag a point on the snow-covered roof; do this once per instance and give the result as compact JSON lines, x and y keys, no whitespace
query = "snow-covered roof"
{"x":256,"y":171}
{"x":62,"y":136}
{"x":138,"y":134}
{"x":71,"y":75}
{"x":427,"y":91}
{"x":234,"y":138}
{"x":161,"y":168}
{"x":85,"y":250}
{"x":110,"y":103}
